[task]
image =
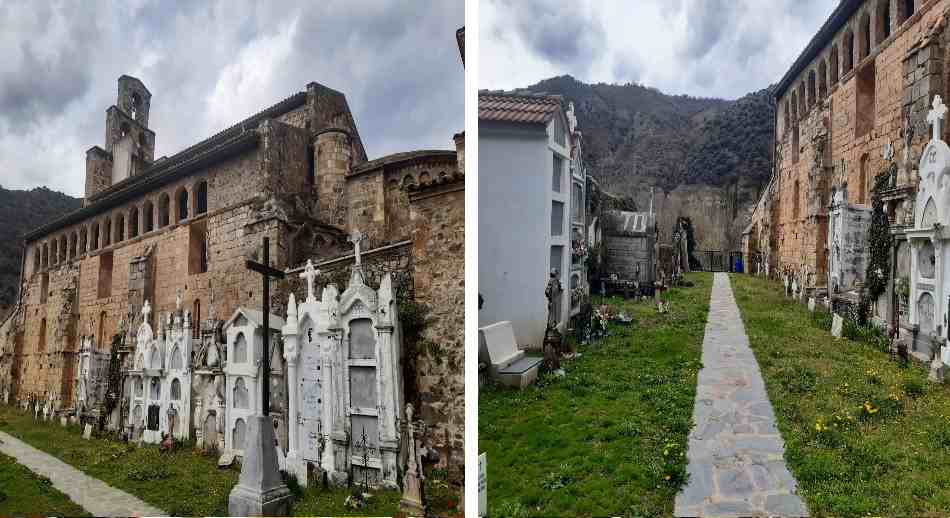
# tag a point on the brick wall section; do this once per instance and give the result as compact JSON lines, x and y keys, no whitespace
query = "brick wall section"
{"x":908,"y":71}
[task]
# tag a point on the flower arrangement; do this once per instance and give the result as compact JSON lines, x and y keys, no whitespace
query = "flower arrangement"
{"x":578,"y":250}
{"x":598,"y":321}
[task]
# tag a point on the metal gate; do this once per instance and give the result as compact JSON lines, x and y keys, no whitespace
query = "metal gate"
{"x":712,"y":260}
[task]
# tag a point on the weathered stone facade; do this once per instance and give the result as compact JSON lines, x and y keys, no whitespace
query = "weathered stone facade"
{"x":296,"y":173}
{"x":852,"y":107}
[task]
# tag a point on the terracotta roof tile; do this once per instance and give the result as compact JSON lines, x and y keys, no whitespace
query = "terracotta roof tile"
{"x":524,"y":108}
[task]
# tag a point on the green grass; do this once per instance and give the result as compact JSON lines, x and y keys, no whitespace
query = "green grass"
{"x":24,"y":493}
{"x":186,"y":482}
{"x":610,"y":437}
{"x":890,"y":457}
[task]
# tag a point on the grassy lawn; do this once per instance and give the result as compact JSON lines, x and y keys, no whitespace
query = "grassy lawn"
{"x":24,"y":493}
{"x":863,"y":435}
{"x":186,"y":482}
{"x":608,"y":438}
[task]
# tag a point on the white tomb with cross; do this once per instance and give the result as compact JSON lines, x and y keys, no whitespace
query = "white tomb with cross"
{"x":160,"y":378}
{"x":930,"y":252}
{"x":345,"y":380}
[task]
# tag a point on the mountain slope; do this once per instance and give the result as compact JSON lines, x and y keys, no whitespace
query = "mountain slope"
{"x":637,"y":137}
{"x":20,"y":212}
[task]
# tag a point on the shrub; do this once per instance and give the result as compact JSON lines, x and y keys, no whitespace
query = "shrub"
{"x":914,"y":387}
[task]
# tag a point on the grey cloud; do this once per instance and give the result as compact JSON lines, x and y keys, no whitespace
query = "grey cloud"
{"x":562,"y":33}
{"x":396,"y":62}
{"x":708,"y":22}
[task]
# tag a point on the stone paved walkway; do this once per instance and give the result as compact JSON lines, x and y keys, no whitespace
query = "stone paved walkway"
{"x":735,"y":455}
{"x":94,"y":495}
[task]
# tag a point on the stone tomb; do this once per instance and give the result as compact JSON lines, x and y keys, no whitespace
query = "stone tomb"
{"x":160,"y":402}
{"x":243,"y":374}
{"x":92,"y":375}
{"x":506,"y":362}
{"x":345,"y":382}
{"x":847,"y":243}
{"x":930,"y":252}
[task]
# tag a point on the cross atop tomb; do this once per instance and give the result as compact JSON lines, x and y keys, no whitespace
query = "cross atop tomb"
{"x":356,"y":238}
{"x":310,"y":273}
{"x":936,"y":115}
{"x":146,"y":311}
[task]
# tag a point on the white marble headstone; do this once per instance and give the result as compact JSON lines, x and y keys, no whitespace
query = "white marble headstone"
{"x":837,"y":324}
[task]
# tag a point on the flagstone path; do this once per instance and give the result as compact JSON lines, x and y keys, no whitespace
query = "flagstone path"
{"x":94,"y":495}
{"x":735,"y":454}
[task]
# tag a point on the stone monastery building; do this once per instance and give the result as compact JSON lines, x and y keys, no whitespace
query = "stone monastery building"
{"x":851,"y":126}
{"x":175,"y":232}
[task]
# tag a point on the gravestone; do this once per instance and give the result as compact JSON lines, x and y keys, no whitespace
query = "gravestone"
{"x":837,"y":325}
{"x":506,"y":362}
{"x":811,"y":304}
{"x":848,"y":229}
{"x":87,"y":431}
{"x":483,"y":484}
{"x":930,"y":253}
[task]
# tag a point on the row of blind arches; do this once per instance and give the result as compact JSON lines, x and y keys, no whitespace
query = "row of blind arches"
{"x":122,"y":226}
{"x":826,"y":73}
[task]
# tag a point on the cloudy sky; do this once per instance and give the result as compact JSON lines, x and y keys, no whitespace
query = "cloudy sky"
{"x":211,"y":64}
{"x":706,"y":48}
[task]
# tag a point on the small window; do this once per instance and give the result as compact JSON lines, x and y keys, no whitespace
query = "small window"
{"x":107,"y":232}
{"x":120,"y":228}
{"x":557,"y":218}
{"x":83,"y":240}
{"x":557,"y":173}
{"x":176,"y":390}
{"x":848,"y":50}
{"x":94,"y":244}
{"x":105,"y":275}
{"x":240,"y":349}
{"x":182,"y":200}
{"x":148,"y":215}
{"x":134,"y":222}
{"x":833,"y":65}
{"x":197,"y":247}
{"x":163,"y":210}
{"x":201,"y":198}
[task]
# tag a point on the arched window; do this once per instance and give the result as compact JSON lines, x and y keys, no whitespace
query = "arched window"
{"x":41,"y":341}
{"x":176,"y":361}
{"x":163,"y":210}
{"x":812,"y":91}
{"x":107,"y":232}
{"x":240,"y":394}
{"x":94,"y":244}
{"x":37,"y":259}
{"x":155,"y":359}
{"x":238,"y":434}
{"x":240,"y":349}
{"x":156,"y":390}
{"x":802,"y":101}
{"x":787,"y":116}
{"x":45,"y":254}
{"x":136,"y":105}
{"x":83,"y":240}
{"x":795,"y":200}
{"x":883,"y":20}
{"x":55,"y":251}
{"x":73,"y":242}
{"x":181,"y":200}
{"x":847,"y":48}
{"x":905,"y":9}
{"x":863,"y":185}
{"x":119,"y":228}
{"x":176,"y":390}
{"x":864,"y":37}
{"x":833,"y":65}
{"x":148,"y":214}
{"x":134,"y":222}
{"x":63,"y":247}
{"x":201,"y":197}
{"x":822,"y":79}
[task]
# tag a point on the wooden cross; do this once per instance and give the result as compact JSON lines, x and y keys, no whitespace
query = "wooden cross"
{"x":266,"y":273}
{"x":310,"y":273}
{"x":936,"y":115}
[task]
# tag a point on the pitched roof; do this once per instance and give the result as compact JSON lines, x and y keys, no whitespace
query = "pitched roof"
{"x":518,"y":107}
{"x":406,"y":158}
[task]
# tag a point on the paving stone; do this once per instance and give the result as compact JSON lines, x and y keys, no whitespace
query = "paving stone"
{"x":735,"y":441}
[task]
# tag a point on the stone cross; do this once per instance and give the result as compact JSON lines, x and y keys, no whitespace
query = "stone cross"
{"x":146,"y":311}
{"x":936,"y":115}
{"x":356,"y":238}
{"x":310,"y":273}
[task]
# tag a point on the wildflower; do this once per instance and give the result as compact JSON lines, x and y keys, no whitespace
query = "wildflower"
{"x":820,"y":426}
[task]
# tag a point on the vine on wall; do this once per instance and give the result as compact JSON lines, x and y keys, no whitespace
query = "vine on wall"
{"x":879,"y":248}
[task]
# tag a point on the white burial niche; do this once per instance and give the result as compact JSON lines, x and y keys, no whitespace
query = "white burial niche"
{"x":930,"y":253}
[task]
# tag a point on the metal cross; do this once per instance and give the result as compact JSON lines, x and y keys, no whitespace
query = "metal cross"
{"x":266,"y":273}
{"x":936,"y":115}
{"x":310,"y":273}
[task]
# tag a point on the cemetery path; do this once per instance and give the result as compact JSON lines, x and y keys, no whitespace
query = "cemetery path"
{"x":735,"y":454}
{"x":94,"y":495}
